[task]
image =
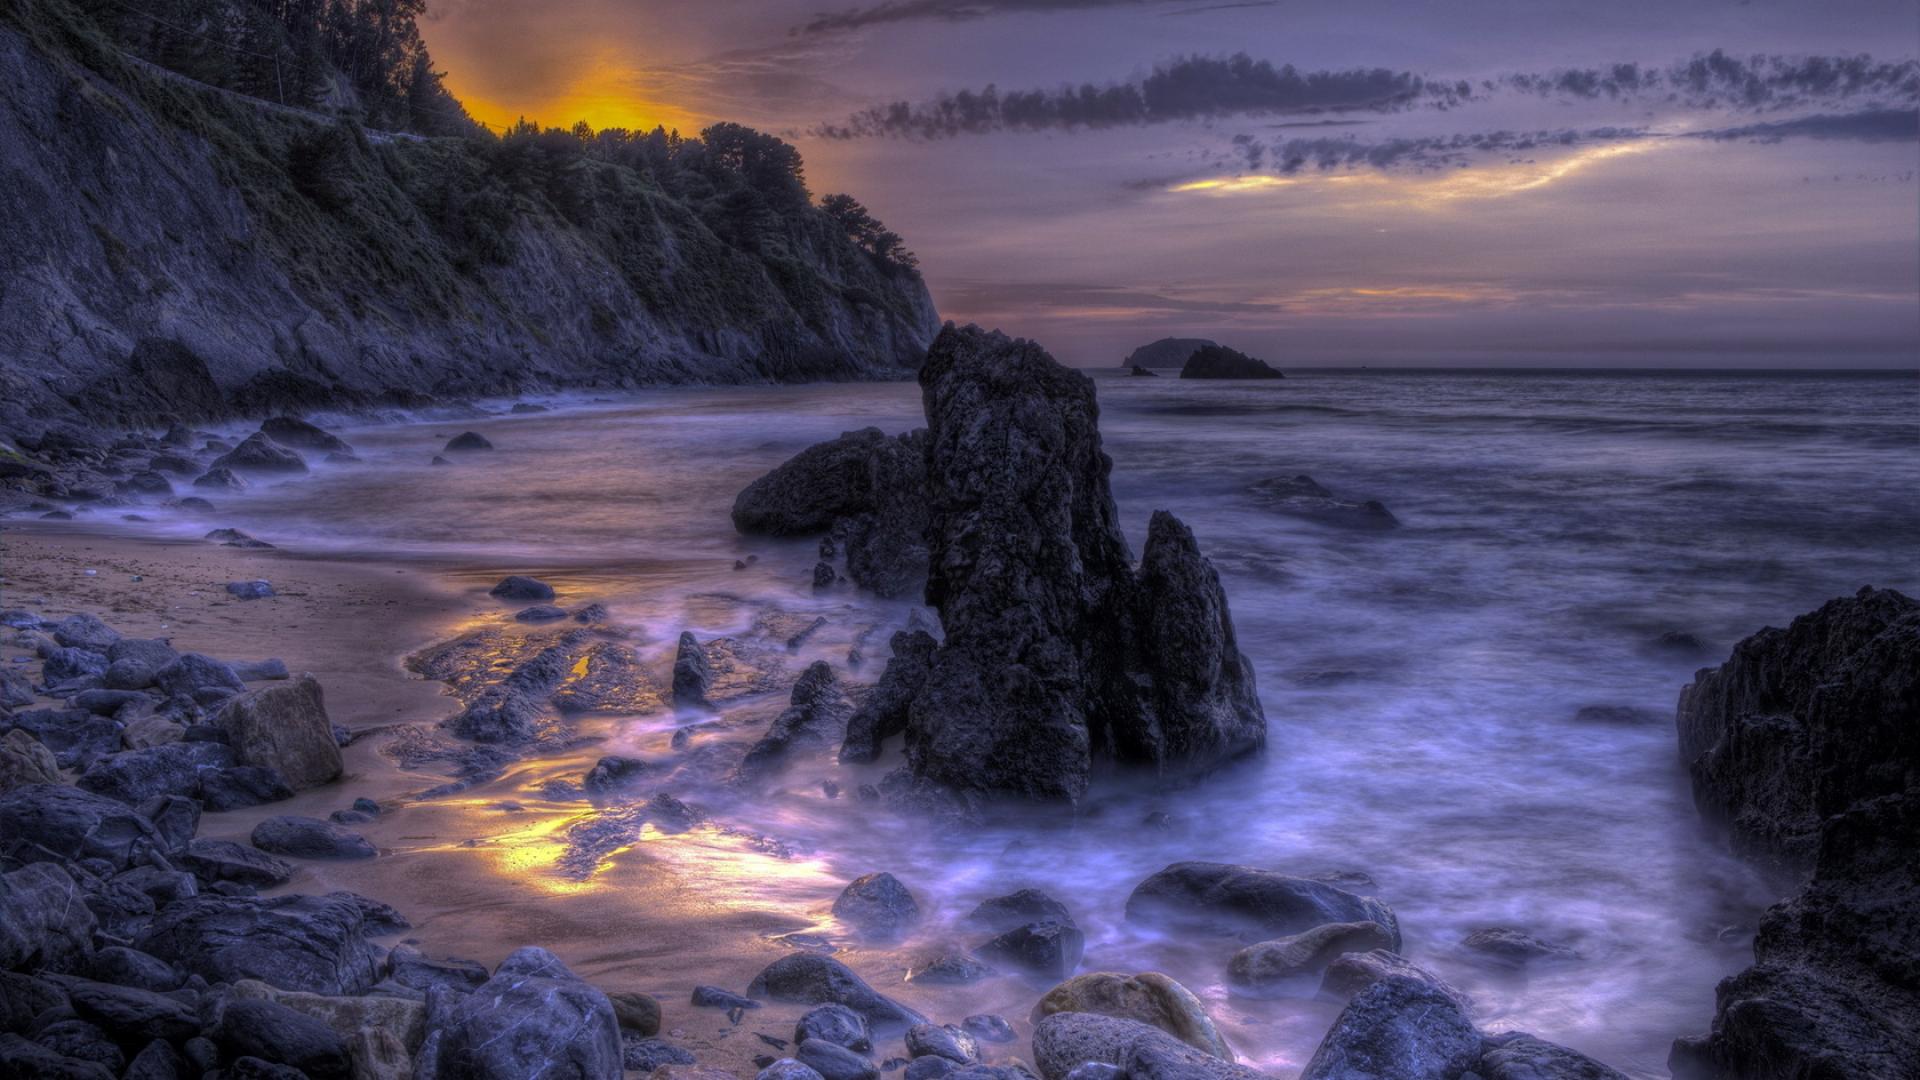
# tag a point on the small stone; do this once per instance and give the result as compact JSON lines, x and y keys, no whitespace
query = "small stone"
{"x":467,"y":441}
{"x":877,"y":905}
{"x":636,"y":1012}
{"x":520,"y":587}
{"x":310,"y":838}
{"x":1046,"y":949}
{"x":250,"y":590}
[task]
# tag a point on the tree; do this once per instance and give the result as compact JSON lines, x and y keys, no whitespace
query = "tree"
{"x":867,"y":233}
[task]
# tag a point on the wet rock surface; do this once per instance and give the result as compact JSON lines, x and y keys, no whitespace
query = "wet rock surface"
{"x":1248,"y":902}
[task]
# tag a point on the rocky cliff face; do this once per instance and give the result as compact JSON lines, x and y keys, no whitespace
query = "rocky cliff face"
{"x":1806,"y":745}
{"x":176,"y":251}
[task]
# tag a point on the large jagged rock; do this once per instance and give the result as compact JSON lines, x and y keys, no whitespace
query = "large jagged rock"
{"x":1220,"y":362}
{"x":883,"y":714}
{"x":866,"y":487}
{"x":43,"y":921}
{"x":814,"y":719}
{"x":316,"y":944}
{"x":1397,"y":1029}
{"x":39,"y":821}
{"x":284,"y":728}
{"x":1056,"y":653}
{"x":1806,"y":745}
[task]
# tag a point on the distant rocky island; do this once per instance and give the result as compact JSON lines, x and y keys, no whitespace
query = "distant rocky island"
{"x":1197,"y":358}
{"x":1168,"y":352}
{"x":180,"y":250}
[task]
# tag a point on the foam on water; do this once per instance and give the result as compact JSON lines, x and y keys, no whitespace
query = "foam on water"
{"x":1421,"y":683}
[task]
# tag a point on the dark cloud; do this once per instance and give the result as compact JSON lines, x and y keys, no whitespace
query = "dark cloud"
{"x":1721,"y":79}
{"x":970,"y":296}
{"x":897,"y":11}
{"x":1873,"y":125}
{"x":1187,"y":88}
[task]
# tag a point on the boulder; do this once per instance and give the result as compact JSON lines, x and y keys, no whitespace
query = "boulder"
{"x":310,"y":838}
{"x":68,"y":823}
{"x":787,"y":1069}
{"x":24,"y":760}
{"x":30,"y":1059}
{"x":815,"y":719}
{"x":1515,"y":1055}
{"x":836,"y":1024}
{"x":534,"y":1017}
{"x":1278,"y":965}
{"x":223,"y":860}
{"x":284,"y":728}
{"x":242,"y":786}
{"x":1507,"y":947}
{"x":133,"y":776}
{"x":948,"y":969}
{"x":1169,"y":1059}
{"x":466,"y":442}
{"x":810,"y":979}
{"x":520,"y":587}
{"x":1397,"y":1029}
{"x":201,"y":678}
{"x":989,"y":1027}
{"x":883,"y":713}
{"x":220,"y":479}
{"x":130,"y":1013}
{"x":41,"y":924}
{"x":120,"y":966}
{"x":1220,"y":362}
{"x":250,"y":590}
{"x":294,"y":942}
{"x":834,"y":1062}
{"x":1056,"y":651}
{"x":258,"y":453}
{"x":84,"y":631}
{"x":635,"y":1012}
{"x":300,"y":434}
{"x":263,"y":1028}
{"x":70,"y":665}
{"x":1149,"y":998}
{"x":942,"y":1040}
{"x":75,"y":737}
{"x":1048,"y":950}
{"x":877,"y":906}
{"x":415,"y":970}
{"x":692,"y":674}
{"x":1064,"y":1042}
{"x":1350,"y":973}
{"x":1244,"y":901}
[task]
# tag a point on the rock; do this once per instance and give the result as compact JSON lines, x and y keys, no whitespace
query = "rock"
{"x":295,"y":432}
{"x":1801,"y":745}
{"x":928,"y":1068}
{"x":1168,"y":1059}
{"x":1045,"y":949}
{"x":258,"y":453}
{"x":69,"y":823}
{"x":242,"y":786}
{"x":310,"y":838}
{"x":224,"y":860}
{"x":121,"y":966}
{"x":269,"y":670}
{"x":1017,"y":909}
{"x":1348,"y":974}
{"x":1247,"y":902}
{"x":438,"y":460}
{"x":614,"y":775}
{"x":1617,"y":716}
{"x":379,"y":1031}
{"x":540,"y":613}
{"x":24,"y":998}
{"x":1138,"y":371}
{"x":128,"y":675}
{"x":152,"y":652}
{"x":270,"y":1031}
{"x":466,"y":442}
{"x":518,"y":587}
{"x":948,"y":969}
{"x":883,"y":713}
{"x":836,"y":1024}
{"x":989,"y":1027}
{"x":834,"y":1062}
{"x":286,"y":729}
{"x":1515,"y":1055}
{"x":648,"y":1055}
{"x":158,"y":1060}
{"x":26,"y":1060}
{"x":132,"y":1013}
{"x":1168,"y":352}
{"x":250,"y":590}
{"x":1507,"y":947}
{"x":133,"y":776}
{"x":201,"y":678}
{"x":220,"y":479}
{"x":691,"y":672}
{"x":84,"y":631}
{"x":1065,"y":1041}
{"x":1220,"y":362}
{"x":713,"y":997}
{"x":877,"y":906}
{"x":253,"y":1068}
{"x":823,"y":575}
{"x":41,"y":927}
{"x":1299,"y":496}
{"x":1397,"y":1029}
{"x":411,"y":968}
{"x":149,"y":731}
{"x":174,"y":819}
{"x":71,"y":665}
{"x":294,"y":942}
{"x":947,"y":1041}
{"x":1275,"y":966}
{"x":75,"y":737}
{"x":533,"y":1018}
{"x":16,"y":692}
{"x":787,"y":1069}
{"x":815,"y":719}
{"x":103,"y":702}
{"x":809,"y":979}
{"x":1149,"y":998}
{"x":635,"y":1012}
{"x":23,"y":761}
{"x":1050,"y":635}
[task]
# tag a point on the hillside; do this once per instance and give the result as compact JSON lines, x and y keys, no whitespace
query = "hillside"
{"x":176,"y":249}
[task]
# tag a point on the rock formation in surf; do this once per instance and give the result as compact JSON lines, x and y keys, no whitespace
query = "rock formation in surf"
{"x":1168,"y":352}
{"x":1220,"y":362}
{"x":1805,"y":745}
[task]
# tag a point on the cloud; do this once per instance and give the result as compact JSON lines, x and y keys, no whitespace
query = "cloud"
{"x":898,"y":11}
{"x":1187,"y":88}
{"x":1872,"y":125}
{"x":1092,"y":301}
{"x":1718,"y":79}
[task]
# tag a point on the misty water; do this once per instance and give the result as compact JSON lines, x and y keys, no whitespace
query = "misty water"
{"x":1421,"y":684}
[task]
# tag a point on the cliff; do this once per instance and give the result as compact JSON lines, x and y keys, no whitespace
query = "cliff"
{"x":174,"y":250}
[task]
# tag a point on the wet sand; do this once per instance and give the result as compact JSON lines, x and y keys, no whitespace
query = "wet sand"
{"x":475,"y":875}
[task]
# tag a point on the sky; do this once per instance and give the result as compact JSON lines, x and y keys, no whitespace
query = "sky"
{"x":1317,"y":182}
